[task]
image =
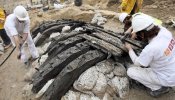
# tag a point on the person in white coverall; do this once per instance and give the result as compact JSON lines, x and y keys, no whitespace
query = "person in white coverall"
{"x":17,"y":26}
{"x":155,"y":65}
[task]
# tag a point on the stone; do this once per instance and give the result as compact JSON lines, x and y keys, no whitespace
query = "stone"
{"x":65,"y":29}
{"x":71,"y":95}
{"x":42,"y":59}
{"x":100,"y":87}
{"x":107,"y":97}
{"x":54,"y":35}
{"x":101,"y":21}
{"x":119,"y":70}
{"x":94,"y":98}
{"x":98,"y":19}
{"x":87,"y":80}
{"x":85,"y":97}
{"x":94,"y":21}
{"x":88,"y":97}
{"x":40,"y":14}
{"x":120,"y":85}
{"x":78,"y":29}
{"x":105,"y":67}
{"x":58,"y":6}
{"x":110,"y":76}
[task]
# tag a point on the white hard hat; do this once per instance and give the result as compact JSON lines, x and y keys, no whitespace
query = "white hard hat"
{"x":123,"y":16}
{"x":21,"y":13}
{"x":141,"y":22}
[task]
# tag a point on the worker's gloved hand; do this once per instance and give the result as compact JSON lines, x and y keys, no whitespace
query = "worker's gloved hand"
{"x":19,"y":52}
{"x":128,"y":46}
{"x":133,"y":35}
{"x":126,"y":35}
{"x":19,"y":55}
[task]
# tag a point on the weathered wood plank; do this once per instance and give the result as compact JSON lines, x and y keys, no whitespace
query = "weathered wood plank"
{"x":111,"y":39}
{"x":54,"y":67}
{"x":107,"y":46}
{"x":70,"y":73}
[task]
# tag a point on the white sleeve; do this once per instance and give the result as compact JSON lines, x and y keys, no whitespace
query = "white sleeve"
{"x":134,"y":57}
{"x":129,"y":30}
{"x":10,"y":27}
{"x":27,"y":27}
{"x":146,"y":56}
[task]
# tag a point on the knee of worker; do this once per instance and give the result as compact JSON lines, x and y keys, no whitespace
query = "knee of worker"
{"x":133,"y":72}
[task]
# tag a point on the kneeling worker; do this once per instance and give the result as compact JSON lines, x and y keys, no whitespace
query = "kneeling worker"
{"x":155,"y":66}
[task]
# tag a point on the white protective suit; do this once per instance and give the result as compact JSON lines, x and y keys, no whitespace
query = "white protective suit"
{"x":159,"y":54}
{"x":14,"y":27}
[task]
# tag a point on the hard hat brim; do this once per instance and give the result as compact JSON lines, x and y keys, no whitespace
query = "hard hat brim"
{"x":122,"y":17}
{"x":22,"y":19}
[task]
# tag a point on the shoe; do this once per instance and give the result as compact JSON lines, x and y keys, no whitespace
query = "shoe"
{"x":159,"y":92}
{"x":7,"y":46}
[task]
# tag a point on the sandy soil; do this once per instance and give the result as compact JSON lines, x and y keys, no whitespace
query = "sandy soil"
{"x":11,"y":77}
{"x":13,"y":71}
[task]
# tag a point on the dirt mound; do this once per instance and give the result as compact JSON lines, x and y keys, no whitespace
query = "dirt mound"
{"x":72,"y":13}
{"x":66,"y":13}
{"x":83,"y":13}
{"x":101,"y":3}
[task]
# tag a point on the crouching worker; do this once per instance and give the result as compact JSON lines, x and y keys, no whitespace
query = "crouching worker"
{"x":155,"y":66}
{"x":17,"y":26}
